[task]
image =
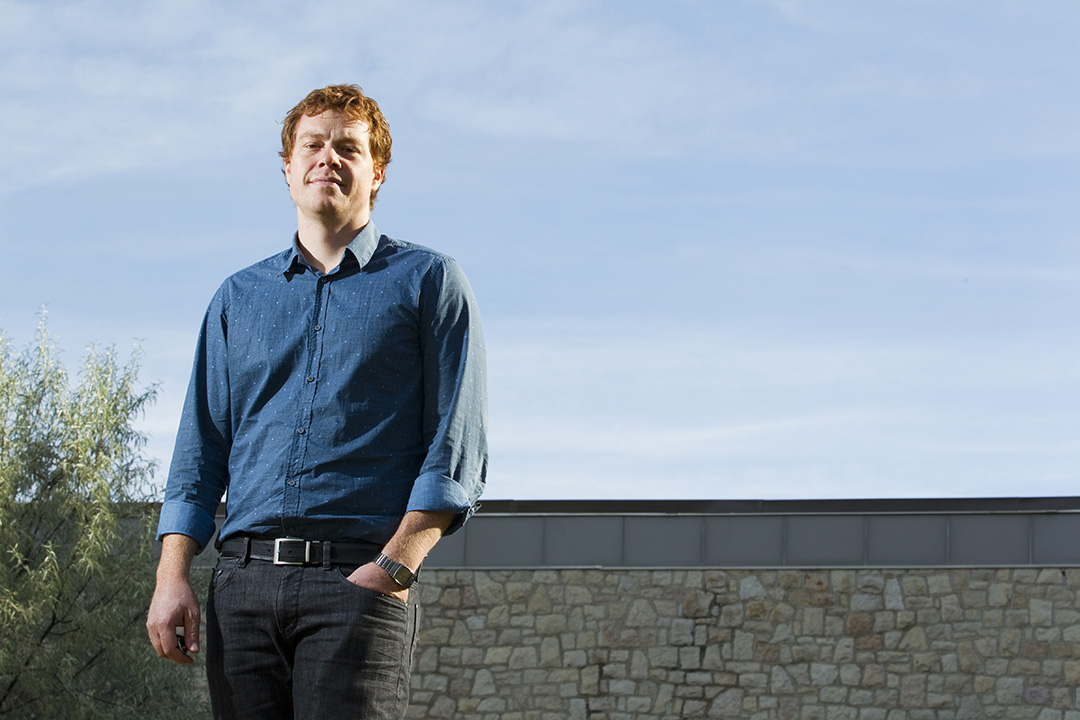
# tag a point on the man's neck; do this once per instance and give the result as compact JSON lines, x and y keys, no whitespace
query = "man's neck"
{"x":323,"y":244}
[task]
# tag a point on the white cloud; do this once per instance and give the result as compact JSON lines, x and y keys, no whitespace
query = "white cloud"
{"x":116,"y":86}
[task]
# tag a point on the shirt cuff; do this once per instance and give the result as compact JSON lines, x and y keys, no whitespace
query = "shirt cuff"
{"x":433,"y":492}
{"x":181,"y":518}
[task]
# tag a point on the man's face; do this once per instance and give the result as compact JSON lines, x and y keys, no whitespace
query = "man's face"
{"x":330,"y":172}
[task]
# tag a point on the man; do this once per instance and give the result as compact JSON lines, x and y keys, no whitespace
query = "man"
{"x":338,"y":395}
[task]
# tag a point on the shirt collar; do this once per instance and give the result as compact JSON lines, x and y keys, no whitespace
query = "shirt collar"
{"x":362,"y":248}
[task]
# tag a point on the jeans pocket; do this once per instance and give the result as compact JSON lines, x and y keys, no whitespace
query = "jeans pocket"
{"x":223,"y":572}
{"x":342,"y":573}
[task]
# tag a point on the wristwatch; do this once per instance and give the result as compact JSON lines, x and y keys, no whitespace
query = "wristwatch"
{"x":400,"y":574}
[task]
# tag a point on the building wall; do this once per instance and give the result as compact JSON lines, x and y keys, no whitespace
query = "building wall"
{"x":779,"y":644}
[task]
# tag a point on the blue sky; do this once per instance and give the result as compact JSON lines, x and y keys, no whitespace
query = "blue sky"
{"x":741,"y":249}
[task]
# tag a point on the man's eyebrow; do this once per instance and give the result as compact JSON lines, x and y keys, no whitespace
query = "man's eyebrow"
{"x":311,"y":134}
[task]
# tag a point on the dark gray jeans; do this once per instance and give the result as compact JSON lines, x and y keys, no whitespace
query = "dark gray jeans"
{"x":303,"y":643}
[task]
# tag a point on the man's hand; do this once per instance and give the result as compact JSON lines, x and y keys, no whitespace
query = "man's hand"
{"x":373,"y":577}
{"x":174,"y":604}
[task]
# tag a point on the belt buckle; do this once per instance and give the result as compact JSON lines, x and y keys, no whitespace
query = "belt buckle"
{"x":291,"y":547}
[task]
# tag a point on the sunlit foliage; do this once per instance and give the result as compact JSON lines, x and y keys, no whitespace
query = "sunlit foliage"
{"x":76,"y":566}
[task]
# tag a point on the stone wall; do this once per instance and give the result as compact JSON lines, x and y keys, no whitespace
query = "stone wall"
{"x":851,"y":644}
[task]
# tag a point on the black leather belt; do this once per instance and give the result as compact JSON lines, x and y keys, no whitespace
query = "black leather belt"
{"x":295,"y":551}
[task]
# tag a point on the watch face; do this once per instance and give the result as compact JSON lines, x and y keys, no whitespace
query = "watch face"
{"x":403,"y":577}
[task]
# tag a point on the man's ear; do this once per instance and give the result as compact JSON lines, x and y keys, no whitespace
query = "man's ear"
{"x":380,"y":174}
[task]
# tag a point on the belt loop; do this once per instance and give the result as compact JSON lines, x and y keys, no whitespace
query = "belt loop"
{"x":326,"y":555}
{"x":246,"y":555}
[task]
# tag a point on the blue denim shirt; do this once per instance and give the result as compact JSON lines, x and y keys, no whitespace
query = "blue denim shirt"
{"x":330,"y":405}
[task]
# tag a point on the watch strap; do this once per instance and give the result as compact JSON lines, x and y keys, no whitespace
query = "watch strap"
{"x":399,"y":573}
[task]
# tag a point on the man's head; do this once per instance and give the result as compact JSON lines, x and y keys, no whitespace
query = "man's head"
{"x":350,"y":101}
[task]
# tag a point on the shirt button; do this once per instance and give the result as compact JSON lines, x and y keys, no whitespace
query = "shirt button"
{"x":300,"y":431}
{"x":311,"y":378}
{"x":318,"y":328}
{"x":292,"y":483}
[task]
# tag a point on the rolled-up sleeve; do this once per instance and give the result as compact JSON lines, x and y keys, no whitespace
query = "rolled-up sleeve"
{"x":198,"y":474}
{"x":454,"y":471}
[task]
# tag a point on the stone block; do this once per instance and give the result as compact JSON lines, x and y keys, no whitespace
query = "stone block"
{"x":472,"y":656}
{"x":551,"y":624}
{"x":700,"y":678}
{"x":913,"y":691}
{"x":743,"y":646}
{"x":863,"y":602}
{"x":727,"y":704}
{"x":813,"y":621}
{"x":756,"y":610}
{"x":754,"y":683}
{"x":833,"y":695}
{"x":523,"y":657}
{"x":751,"y":587}
{"x":823,"y":674}
{"x":1009,"y":690}
{"x":443,"y":707}
{"x":484,"y":683}
{"x":1049,"y":714}
{"x":694,"y":708}
{"x":690,"y":658}
{"x":1037,"y":695}
{"x":850,"y":674}
{"x":1041,"y":613}
{"x":698,"y":604}
{"x":859,"y":623}
{"x":572,"y":658}
{"x":590,"y":680}
{"x":951,"y":609}
{"x":925,"y":662}
{"x":550,"y":652}
{"x":914,"y":639}
{"x":873,"y":675}
{"x":838,"y":712}
{"x":780,"y":682}
{"x":1000,"y":594}
{"x":712,"y":658}
{"x":893,"y":595}
{"x":1072,"y":673}
{"x":732,"y":615}
{"x":682,"y":632}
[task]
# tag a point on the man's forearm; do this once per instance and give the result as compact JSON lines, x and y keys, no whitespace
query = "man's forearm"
{"x":177,"y":553}
{"x":416,"y":536}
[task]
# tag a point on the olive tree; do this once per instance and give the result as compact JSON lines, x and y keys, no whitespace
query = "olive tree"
{"x":76,"y":565}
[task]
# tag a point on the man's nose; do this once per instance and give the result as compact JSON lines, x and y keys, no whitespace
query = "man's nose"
{"x":330,"y":158}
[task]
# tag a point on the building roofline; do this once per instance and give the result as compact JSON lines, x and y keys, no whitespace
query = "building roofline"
{"x":860,"y":506}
